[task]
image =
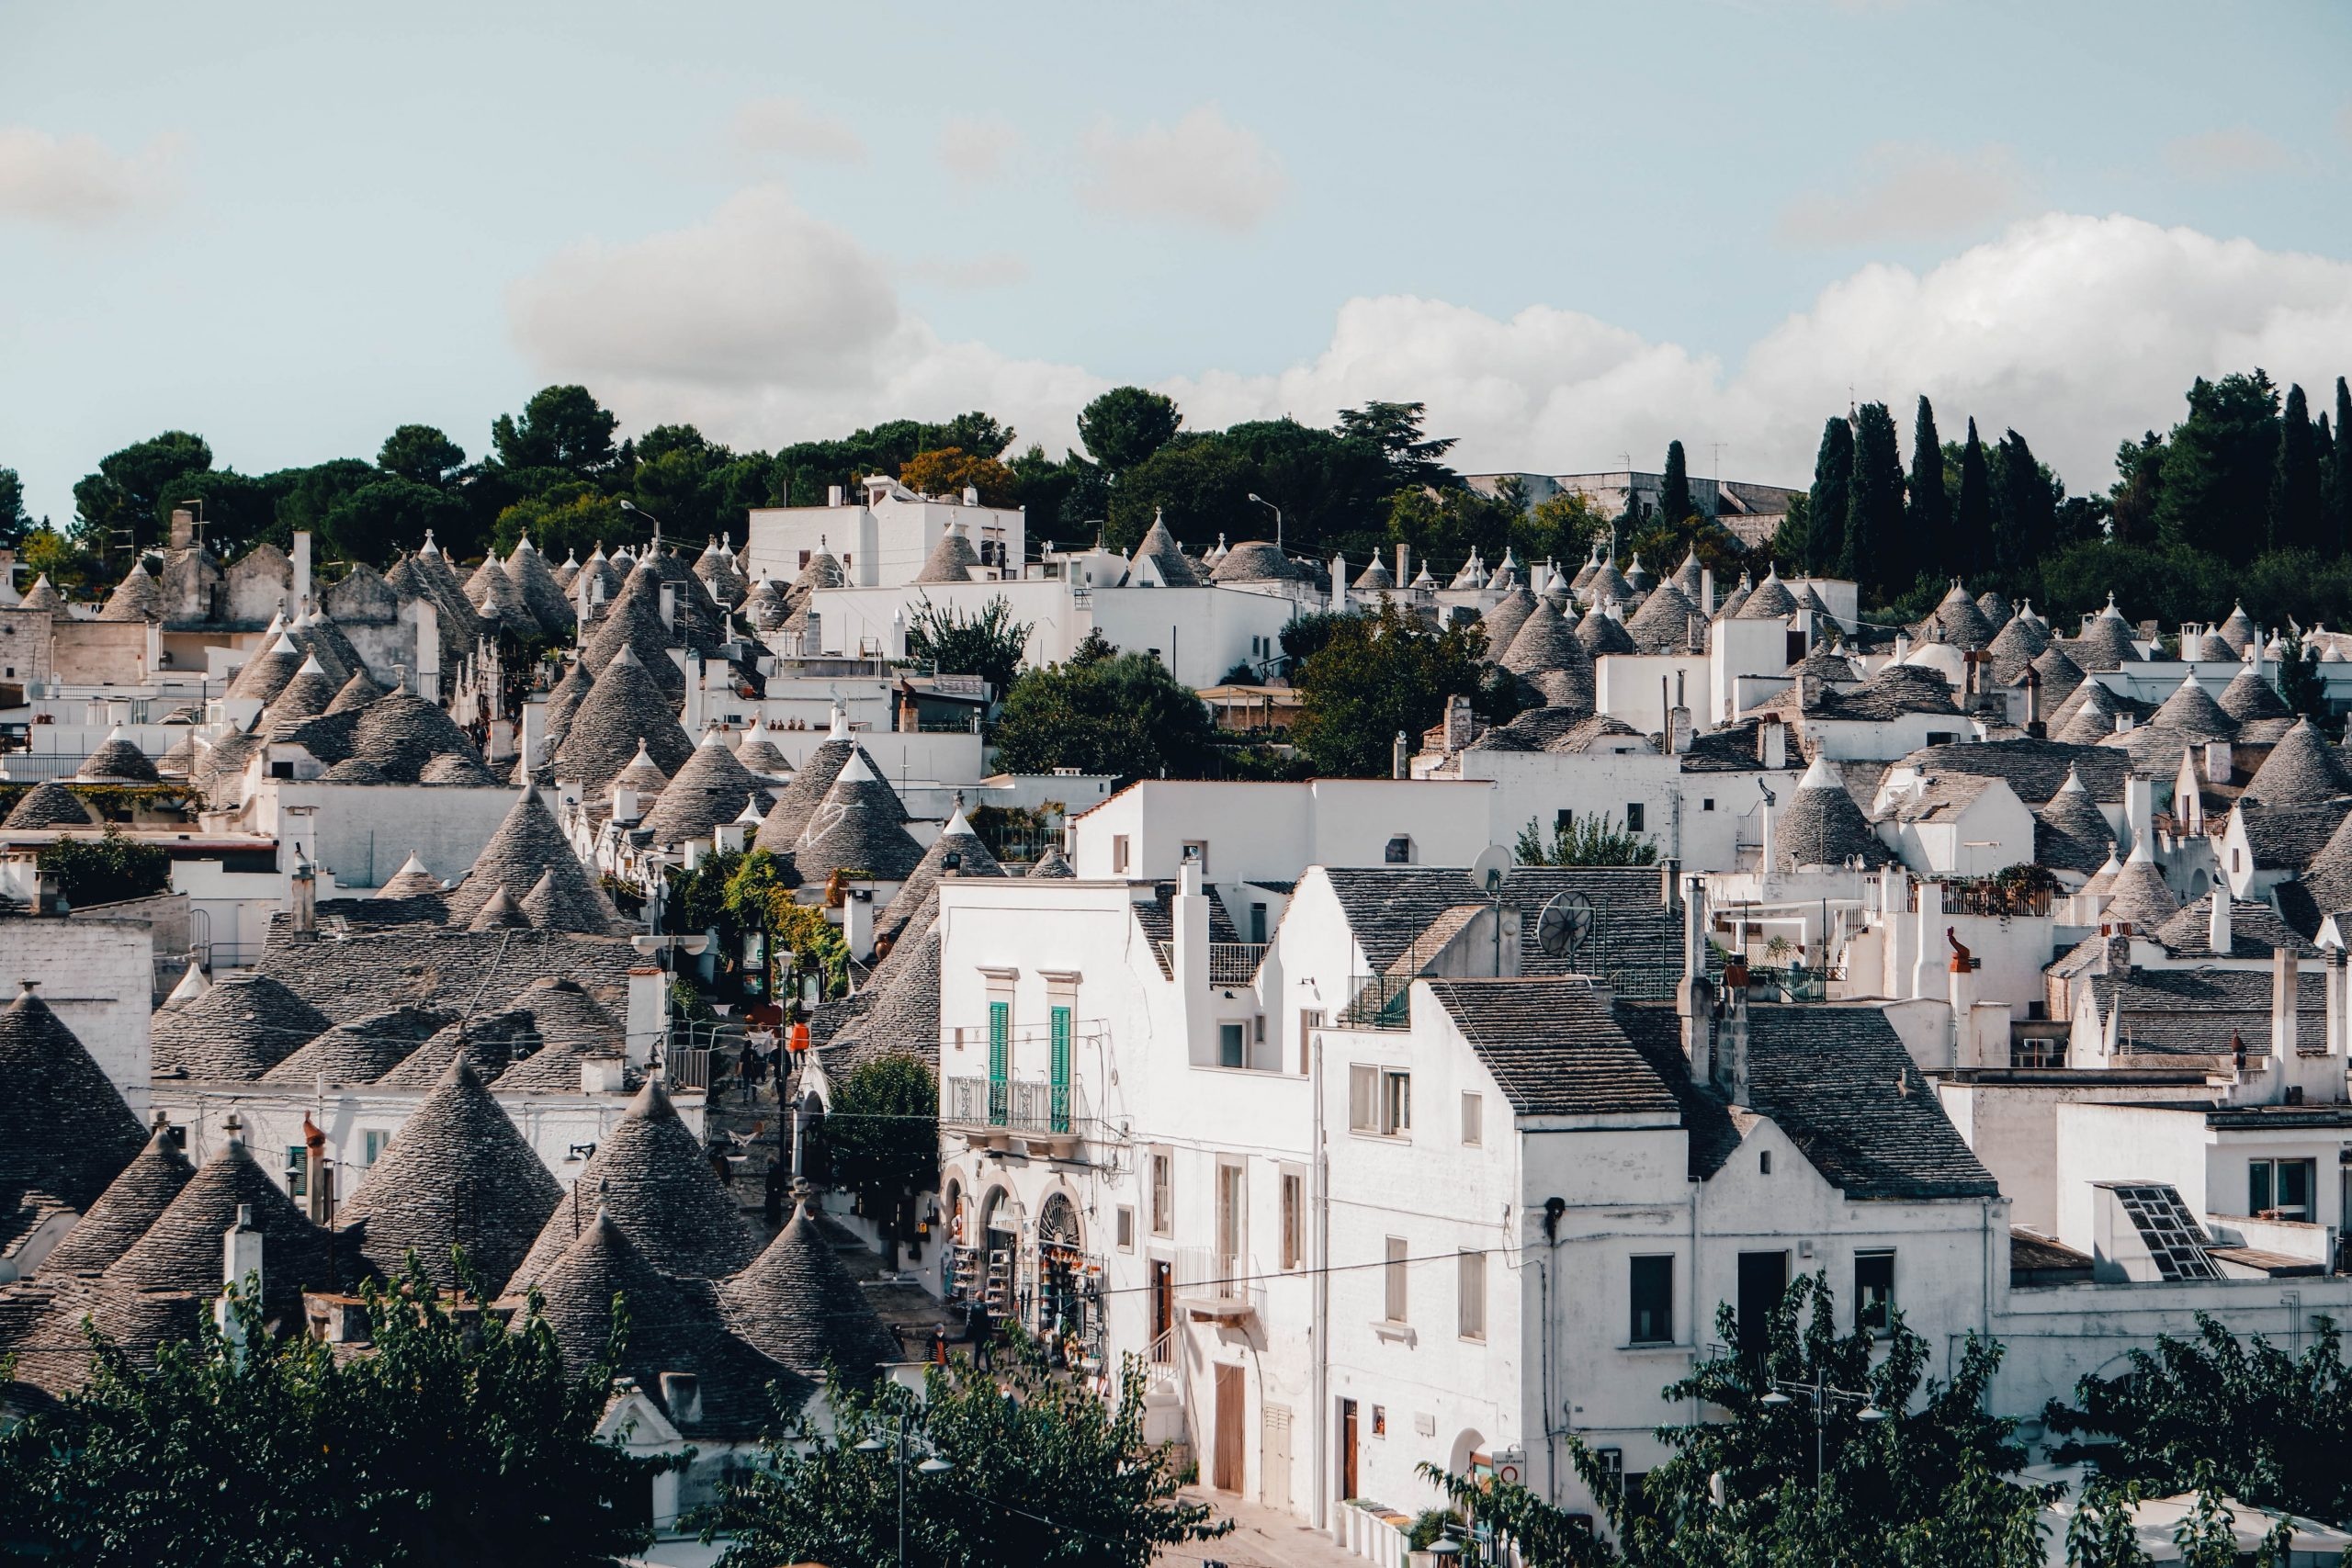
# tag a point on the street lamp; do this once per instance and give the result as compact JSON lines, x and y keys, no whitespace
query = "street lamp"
{"x":932,"y":1465}
{"x":1278,"y":517}
{"x":630,"y":506}
{"x":1820,"y":1396}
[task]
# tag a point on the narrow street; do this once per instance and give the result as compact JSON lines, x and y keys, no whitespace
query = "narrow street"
{"x":1262,"y":1537}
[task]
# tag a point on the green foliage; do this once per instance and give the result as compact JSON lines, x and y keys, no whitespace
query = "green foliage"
{"x":390,"y":514}
{"x":2295,"y":499}
{"x":2212,"y":1411}
{"x":1674,"y":503}
{"x":1121,"y":714}
{"x":421,"y":455}
{"x":1127,"y":425}
{"x":2025,"y":496}
{"x":1374,"y":676}
{"x":104,"y":870}
{"x":570,"y":515}
{"x":1201,"y":484}
{"x":456,"y":1440}
{"x":1587,"y":838}
{"x":128,"y":487}
{"x":1562,"y":527}
{"x":2300,"y":686}
{"x":2218,"y":466}
{"x":880,"y":1139}
{"x":1874,"y":551}
{"x":989,"y":645}
{"x":2335,"y":499}
{"x":1926,"y":517}
{"x":1447,"y":524}
{"x":1826,"y":503}
{"x":69,"y":559}
{"x":560,"y":427}
{"x":14,"y":520}
{"x":2138,"y":487}
{"x":1395,"y":431}
{"x":1043,"y":1473}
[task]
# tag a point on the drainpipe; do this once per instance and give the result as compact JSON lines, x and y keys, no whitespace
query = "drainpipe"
{"x":1321,"y":1327}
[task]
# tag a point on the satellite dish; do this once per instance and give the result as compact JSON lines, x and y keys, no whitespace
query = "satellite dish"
{"x":1566,"y":922}
{"x":1493,"y":864}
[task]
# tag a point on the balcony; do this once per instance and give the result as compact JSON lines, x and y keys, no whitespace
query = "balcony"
{"x":1230,"y":963}
{"x":1381,"y":1001}
{"x":996,"y":1112}
{"x":1214,"y":1287}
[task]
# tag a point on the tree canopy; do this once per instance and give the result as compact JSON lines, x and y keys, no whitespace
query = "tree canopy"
{"x":1377,"y":675}
{"x":1104,"y":712}
{"x":1127,"y":425}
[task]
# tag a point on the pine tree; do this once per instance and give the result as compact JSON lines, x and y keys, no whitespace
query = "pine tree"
{"x":1674,"y":503}
{"x":1928,"y":517}
{"x":1973,"y":527}
{"x":2295,"y":480}
{"x":1874,"y":555}
{"x":1833,"y":475}
{"x":2025,"y":507}
{"x":2218,"y":465}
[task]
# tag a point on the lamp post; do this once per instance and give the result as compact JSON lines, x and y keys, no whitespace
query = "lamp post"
{"x":1820,"y":1395}
{"x":932,"y":1465}
{"x":634,"y":509}
{"x":1278,"y":517}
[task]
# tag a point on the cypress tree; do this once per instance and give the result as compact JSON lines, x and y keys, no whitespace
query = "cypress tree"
{"x":1973,"y":529}
{"x":1792,"y":541}
{"x":2336,"y":527}
{"x":2295,"y":480}
{"x":1928,"y":517}
{"x":2217,"y":465}
{"x":1833,"y":475}
{"x":1674,"y":503}
{"x":1875,"y":555}
{"x":2025,"y":508}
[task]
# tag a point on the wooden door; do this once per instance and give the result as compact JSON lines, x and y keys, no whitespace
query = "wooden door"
{"x":1274,"y":1458}
{"x":1763,"y":1279}
{"x":1232,"y":1406}
{"x":1163,"y":1298}
{"x":1347,"y":1449}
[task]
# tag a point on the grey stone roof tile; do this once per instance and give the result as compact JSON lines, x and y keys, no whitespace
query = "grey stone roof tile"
{"x":131,"y":1204}
{"x":64,"y":1129}
{"x":797,"y":1304}
{"x":363,"y":1050}
{"x":530,"y":844}
{"x":1553,"y":1047}
{"x":236,"y":1032}
{"x":2301,"y":770}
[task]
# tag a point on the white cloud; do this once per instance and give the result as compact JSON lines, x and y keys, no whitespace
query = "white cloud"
{"x":2224,"y":154}
{"x":765,"y":325}
{"x":975,"y":148}
{"x":1203,"y":169}
{"x":79,"y":182}
{"x":998,"y":269}
{"x":1910,"y":192}
{"x":789,"y":126}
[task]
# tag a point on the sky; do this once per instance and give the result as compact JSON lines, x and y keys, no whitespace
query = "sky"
{"x":1576,"y":231}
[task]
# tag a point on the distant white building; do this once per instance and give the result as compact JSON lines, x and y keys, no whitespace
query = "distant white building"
{"x":882,"y":533}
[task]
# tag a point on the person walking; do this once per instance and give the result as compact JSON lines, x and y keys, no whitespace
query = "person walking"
{"x":978,"y":1329}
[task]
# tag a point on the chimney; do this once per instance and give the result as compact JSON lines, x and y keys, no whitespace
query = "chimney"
{"x":833,"y":495}
{"x":971,"y":495}
{"x":1400,"y":761}
{"x":858,"y":923}
{"x":1707,"y":592}
{"x":2124,"y":723}
{"x":2217,"y":761}
{"x":1961,"y":990}
{"x":2338,"y":977}
{"x":2283,"y":1011}
{"x":1694,"y":1002}
{"x":1902,"y":647}
{"x":1403,"y":555}
{"x":670,"y":604}
{"x":183,"y":528}
{"x":1773,"y":742}
{"x":2217,"y":927}
{"x":318,"y":1200}
{"x":682,"y":1394}
{"x":535,"y":729}
{"x":649,"y":1012}
{"x":2033,"y":682}
{"x":301,"y":570}
{"x":1669,"y":885}
{"x":1461,"y":724}
{"x":240,"y":1267}
{"x":303,"y":895}
{"x":624,"y":806}
{"x":1731,"y":1032}
{"x":2139,"y":814}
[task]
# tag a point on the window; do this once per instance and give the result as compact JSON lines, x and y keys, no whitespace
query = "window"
{"x":1197,"y":851}
{"x":1118,"y":853}
{"x":1232,"y":1049}
{"x":1309,"y":1021}
{"x":2233,"y":854}
{"x":1257,"y":922}
{"x":1470,"y":1297}
{"x":297,"y":1181}
{"x":2280,"y":1187}
{"x":1163,"y":1193}
{"x":1764,"y":1162}
{"x":1473,"y":1116}
{"x":1394,"y":1278}
{"x":1380,"y":1420}
{"x":1293,"y":1220}
{"x":1363,"y":1099}
{"x":1874,"y":1290}
{"x":374,"y":1142}
{"x":1611,"y":1462}
{"x":804,"y":560}
{"x":1379,"y":1102}
{"x":1231,"y":1206}
{"x":1707,"y":803}
{"x":1942,"y":737}
{"x":1633,"y":818}
{"x":1126,"y":1227}
{"x":1562,"y":820}
{"x":1653,"y":1302}
{"x":1399,"y":851}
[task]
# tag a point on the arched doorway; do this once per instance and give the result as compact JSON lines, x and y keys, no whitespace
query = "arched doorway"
{"x":999,"y":1240}
{"x":953,"y":1253}
{"x":1061,"y":1273}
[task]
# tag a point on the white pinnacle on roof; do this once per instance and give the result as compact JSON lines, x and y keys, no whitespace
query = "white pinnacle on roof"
{"x":276,"y":627}
{"x":429,"y":548}
{"x":310,"y":666}
{"x":956,"y":823}
{"x":284,"y":644}
{"x":192,"y":984}
{"x":855,"y":769}
{"x":1820,"y":775}
{"x":837,"y":728}
{"x":751,"y":815}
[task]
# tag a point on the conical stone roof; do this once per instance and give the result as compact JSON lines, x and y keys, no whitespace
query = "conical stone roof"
{"x":182,"y":1250}
{"x":458,"y":1176}
{"x":131,"y":1203}
{"x":797,"y":1304}
{"x":2019,"y":641}
{"x":1960,"y":622}
{"x":2301,"y":770}
{"x":501,"y":913}
{"x":135,"y":598}
{"x":2061,"y":676}
{"x":1503,"y":618}
{"x":1602,"y":633}
{"x":530,"y":844}
{"x":653,"y":1177}
{"x":634,"y":622}
{"x":305,"y":696}
{"x":859,"y":830}
{"x":623,"y":710}
{"x":2104,"y":877}
{"x":973,"y":859}
{"x":1821,"y":826}
{"x":410,"y":880}
{"x":1551,"y":655}
{"x":2239,"y":631}
{"x":117,"y":761}
{"x":567,"y":1030}
{"x":236,"y":1032}
{"x":2106,"y":643}
{"x":2248,"y":697}
{"x":266,"y":673}
{"x":2088,"y":717}
{"x":64,"y":1129}
{"x":490,"y":591}
{"x":643,"y":775}
{"x":1667,"y":622}
{"x":1051,"y":866}
{"x":1770,"y":601}
{"x":760,"y":758}
{"x":355,"y":693}
{"x":2070,"y":832}
{"x":43,"y":595}
{"x":2138,"y":895}
{"x":48,"y":805}
{"x":564,"y":699}
{"x":709,"y":790}
{"x":952,"y":559}
{"x":541,"y":590}
{"x":798,"y":800}
{"x":363,"y":1050}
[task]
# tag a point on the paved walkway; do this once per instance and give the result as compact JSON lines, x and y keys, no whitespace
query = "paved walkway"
{"x":1262,"y":1537}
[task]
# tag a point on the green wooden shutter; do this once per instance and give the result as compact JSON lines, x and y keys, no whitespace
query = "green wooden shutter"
{"x":1062,"y":1070}
{"x":1000,"y":1059}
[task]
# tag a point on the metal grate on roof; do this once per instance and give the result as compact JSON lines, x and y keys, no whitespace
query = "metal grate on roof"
{"x":2168,"y":1230}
